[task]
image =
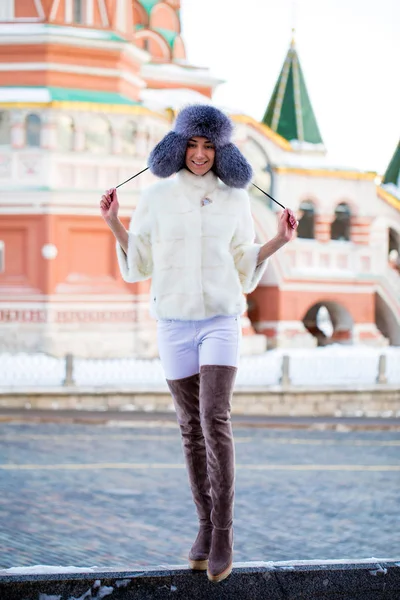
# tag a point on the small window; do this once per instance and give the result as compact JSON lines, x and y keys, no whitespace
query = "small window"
{"x":394,"y":240}
{"x":305,"y":229}
{"x":128,"y":138}
{"x":340,"y":228}
{"x":5,"y":128}
{"x":32,"y":130}
{"x":65,"y":133}
{"x":77,"y":15}
{"x":2,"y":257}
{"x":98,"y":135}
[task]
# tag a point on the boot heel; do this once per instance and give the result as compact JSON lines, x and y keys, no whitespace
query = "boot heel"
{"x":198,"y":565}
{"x":220,"y":576}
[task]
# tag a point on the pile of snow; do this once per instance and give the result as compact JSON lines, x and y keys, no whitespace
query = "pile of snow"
{"x":334,"y":365}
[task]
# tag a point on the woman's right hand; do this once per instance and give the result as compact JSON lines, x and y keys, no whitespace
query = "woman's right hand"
{"x":109,"y":205}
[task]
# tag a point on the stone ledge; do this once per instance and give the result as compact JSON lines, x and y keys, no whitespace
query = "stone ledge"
{"x":377,"y":401}
{"x":66,"y":390}
{"x":368,"y":579}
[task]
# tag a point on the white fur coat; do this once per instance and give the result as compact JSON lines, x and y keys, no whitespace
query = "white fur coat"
{"x":201,"y":256}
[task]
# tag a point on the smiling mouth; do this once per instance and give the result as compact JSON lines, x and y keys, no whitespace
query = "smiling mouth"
{"x":199,"y":164}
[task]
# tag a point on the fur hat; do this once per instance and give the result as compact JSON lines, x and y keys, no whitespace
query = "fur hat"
{"x":200,"y":120}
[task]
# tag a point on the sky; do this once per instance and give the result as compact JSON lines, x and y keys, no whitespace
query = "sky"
{"x":349,"y":51}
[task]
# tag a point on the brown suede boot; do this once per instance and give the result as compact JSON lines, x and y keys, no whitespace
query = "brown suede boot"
{"x":216,"y":386}
{"x":185,"y":393}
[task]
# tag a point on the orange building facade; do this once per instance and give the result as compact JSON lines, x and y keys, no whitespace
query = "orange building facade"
{"x":87,"y":89}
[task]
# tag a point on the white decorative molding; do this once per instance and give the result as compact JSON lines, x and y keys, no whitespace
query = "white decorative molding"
{"x":5,"y":166}
{"x":7,"y":10}
{"x":68,"y":11}
{"x":54,"y":9}
{"x":77,"y":69}
{"x":89,"y":12}
{"x":103,"y":13}
{"x":39,"y":8}
{"x":29,"y":31}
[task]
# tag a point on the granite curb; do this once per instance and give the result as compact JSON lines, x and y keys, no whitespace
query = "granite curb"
{"x":368,"y":579}
{"x":138,"y":418}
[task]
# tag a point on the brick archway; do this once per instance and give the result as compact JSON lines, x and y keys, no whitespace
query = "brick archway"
{"x":340,"y":319}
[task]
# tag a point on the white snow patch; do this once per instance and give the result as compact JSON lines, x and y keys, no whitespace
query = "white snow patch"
{"x":323,"y":562}
{"x":122,"y":583}
{"x":45,"y":569}
{"x":380,"y":571}
{"x":47,"y":597}
{"x":261,"y":564}
{"x":105,"y":591}
{"x":84,"y":596}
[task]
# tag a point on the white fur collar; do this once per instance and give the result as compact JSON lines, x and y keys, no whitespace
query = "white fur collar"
{"x":204,"y":183}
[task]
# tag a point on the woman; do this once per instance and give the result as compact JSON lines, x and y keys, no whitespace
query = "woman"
{"x":193,"y":234}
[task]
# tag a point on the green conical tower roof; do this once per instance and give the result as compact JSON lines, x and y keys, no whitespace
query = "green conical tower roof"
{"x":289,"y":111}
{"x":392,"y":174}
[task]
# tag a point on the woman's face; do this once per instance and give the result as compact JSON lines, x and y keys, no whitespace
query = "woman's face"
{"x":200,"y":154}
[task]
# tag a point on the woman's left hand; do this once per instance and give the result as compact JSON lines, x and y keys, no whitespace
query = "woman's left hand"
{"x":287,"y":225}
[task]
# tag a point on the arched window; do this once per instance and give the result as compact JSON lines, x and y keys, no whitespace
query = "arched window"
{"x":394,"y":240}
{"x":65,"y":133}
{"x":305,"y":229}
{"x":98,"y":135}
{"x":340,"y":228}
{"x":128,"y":138}
{"x":330,"y":322}
{"x":394,"y":249}
{"x":5,"y":128}
{"x":32,"y":130}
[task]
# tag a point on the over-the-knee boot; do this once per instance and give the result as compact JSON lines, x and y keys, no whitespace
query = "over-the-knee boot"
{"x":185,"y":393}
{"x":216,"y":386}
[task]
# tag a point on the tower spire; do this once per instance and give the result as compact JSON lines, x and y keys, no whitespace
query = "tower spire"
{"x":289,"y":111}
{"x":392,"y":173}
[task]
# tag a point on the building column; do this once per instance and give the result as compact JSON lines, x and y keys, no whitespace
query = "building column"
{"x":17,"y":129}
{"x":49,"y":131}
{"x":322,"y":227}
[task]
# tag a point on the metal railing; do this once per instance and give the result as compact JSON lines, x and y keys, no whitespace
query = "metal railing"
{"x":330,"y":366}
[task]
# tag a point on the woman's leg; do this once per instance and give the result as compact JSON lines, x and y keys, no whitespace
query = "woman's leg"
{"x":219,"y":357}
{"x":179,"y":357}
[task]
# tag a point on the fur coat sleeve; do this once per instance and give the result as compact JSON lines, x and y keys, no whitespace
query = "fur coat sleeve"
{"x":137,"y":265}
{"x":245,"y":251}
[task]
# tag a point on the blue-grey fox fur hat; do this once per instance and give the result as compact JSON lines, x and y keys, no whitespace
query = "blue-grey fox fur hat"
{"x":201,"y":120}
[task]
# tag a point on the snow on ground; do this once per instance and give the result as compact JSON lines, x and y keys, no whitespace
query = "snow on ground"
{"x":334,"y":365}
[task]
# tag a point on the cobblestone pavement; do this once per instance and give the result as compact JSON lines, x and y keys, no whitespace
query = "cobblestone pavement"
{"x":117,"y":495}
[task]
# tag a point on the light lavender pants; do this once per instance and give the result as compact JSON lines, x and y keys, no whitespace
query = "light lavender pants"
{"x":184,"y":346}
